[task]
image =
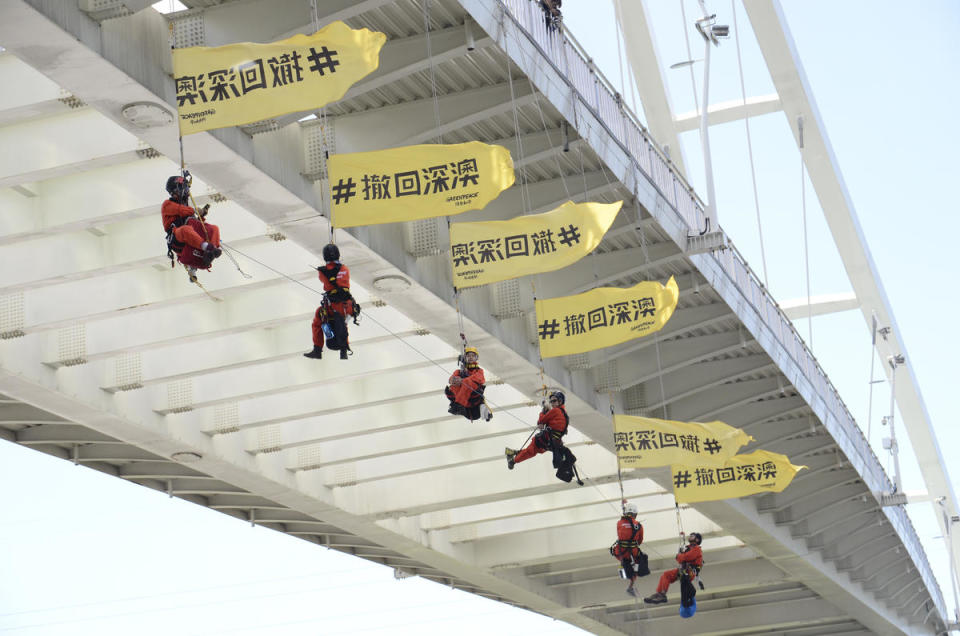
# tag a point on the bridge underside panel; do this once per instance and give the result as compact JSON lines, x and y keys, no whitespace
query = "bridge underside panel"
{"x":112,"y":360}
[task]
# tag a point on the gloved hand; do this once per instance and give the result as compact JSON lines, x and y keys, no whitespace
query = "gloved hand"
{"x":204,"y":210}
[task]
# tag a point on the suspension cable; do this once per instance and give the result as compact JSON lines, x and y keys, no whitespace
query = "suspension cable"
{"x":746,"y":123}
{"x":806,"y":249}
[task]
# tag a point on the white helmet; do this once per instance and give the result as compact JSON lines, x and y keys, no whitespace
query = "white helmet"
{"x":630,"y":509}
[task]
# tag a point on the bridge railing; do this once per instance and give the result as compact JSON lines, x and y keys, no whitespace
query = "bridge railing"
{"x":598,"y":95}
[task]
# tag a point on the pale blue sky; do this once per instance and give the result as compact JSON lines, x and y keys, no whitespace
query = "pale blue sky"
{"x":88,"y":553}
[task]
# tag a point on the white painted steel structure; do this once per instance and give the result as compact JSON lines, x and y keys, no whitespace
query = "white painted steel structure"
{"x":113,"y":361}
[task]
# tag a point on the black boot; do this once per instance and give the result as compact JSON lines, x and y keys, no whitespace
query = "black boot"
{"x":343,"y":354}
{"x":317,"y":353}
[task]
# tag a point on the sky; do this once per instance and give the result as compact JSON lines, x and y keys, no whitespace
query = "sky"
{"x":75,"y":560}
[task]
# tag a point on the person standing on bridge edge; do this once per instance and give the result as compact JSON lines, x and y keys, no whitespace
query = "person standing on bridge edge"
{"x":690,"y":558}
{"x":465,"y":388}
{"x":552,"y":426}
{"x":195,"y":243}
{"x":330,"y":321}
{"x":627,"y":547}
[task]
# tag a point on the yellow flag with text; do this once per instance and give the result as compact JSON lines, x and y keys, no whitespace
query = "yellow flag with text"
{"x":741,"y":475}
{"x":416,"y":182}
{"x":491,"y":251}
{"x":646,"y":442}
{"x":245,"y":82}
{"x":603,"y":317}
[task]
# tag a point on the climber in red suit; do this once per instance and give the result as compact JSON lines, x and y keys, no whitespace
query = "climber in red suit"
{"x":465,"y":388}
{"x":690,"y":559}
{"x":337,"y":306}
{"x":627,"y":547}
{"x":552,"y":425}
{"x":195,"y":242}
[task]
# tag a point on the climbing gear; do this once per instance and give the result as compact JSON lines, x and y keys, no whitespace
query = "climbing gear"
{"x":472,"y":350}
{"x":631,"y":509}
{"x":355,"y":314}
{"x":695,"y":535}
{"x":337,"y":294}
{"x":485,"y":414}
{"x":511,"y":457}
{"x":316,"y":353}
{"x":687,"y":611}
{"x":560,"y":397}
{"x":688,"y":593}
{"x":656,"y":598}
{"x":331,"y":253}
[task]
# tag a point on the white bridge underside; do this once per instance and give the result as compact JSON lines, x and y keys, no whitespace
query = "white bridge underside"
{"x":112,"y":360}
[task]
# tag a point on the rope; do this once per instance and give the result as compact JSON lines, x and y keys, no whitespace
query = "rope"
{"x":433,"y":76}
{"x":683,"y":534}
{"x":623,"y":500}
{"x":746,"y":123}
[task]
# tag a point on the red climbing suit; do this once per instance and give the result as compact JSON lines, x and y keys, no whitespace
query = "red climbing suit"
{"x":553,"y":425}
{"x":467,"y":393}
{"x":629,"y":538}
{"x":189,"y":231}
{"x":335,"y":277}
{"x":690,"y":559}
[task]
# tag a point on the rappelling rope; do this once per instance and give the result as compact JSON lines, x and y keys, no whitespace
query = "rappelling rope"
{"x":439,"y":139}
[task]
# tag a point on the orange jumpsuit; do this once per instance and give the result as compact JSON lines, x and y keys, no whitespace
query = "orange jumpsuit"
{"x":553,"y":425}
{"x":468,"y":389}
{"x":188,"y":233}
{"x":338,"y":295}
{"x":466,"y":397}
{"x":627,"y":547}
{"x":689,"y":556}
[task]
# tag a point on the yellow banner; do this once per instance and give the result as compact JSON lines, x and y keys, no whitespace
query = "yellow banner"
{"x":416,"y":182}
{"x":603,"y":317}
{"x":741,"y":475}
{"x":244,"y":82}
{"x":491,"y":251}
{"x":646,"y":442}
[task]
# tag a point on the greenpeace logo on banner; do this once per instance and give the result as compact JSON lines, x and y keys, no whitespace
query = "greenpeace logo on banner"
{"x":421,"y":182}
{"x":611,"y":315}
{"x":683,"y":477}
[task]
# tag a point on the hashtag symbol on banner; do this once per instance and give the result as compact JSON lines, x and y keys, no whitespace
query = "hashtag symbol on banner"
{"x":549,"y":329}
{"x":328,"y":63}
{"x":681,"y":479}
{"x":343,"y":192}
{"x":569,"y":235}
{"x":712,"y":446}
